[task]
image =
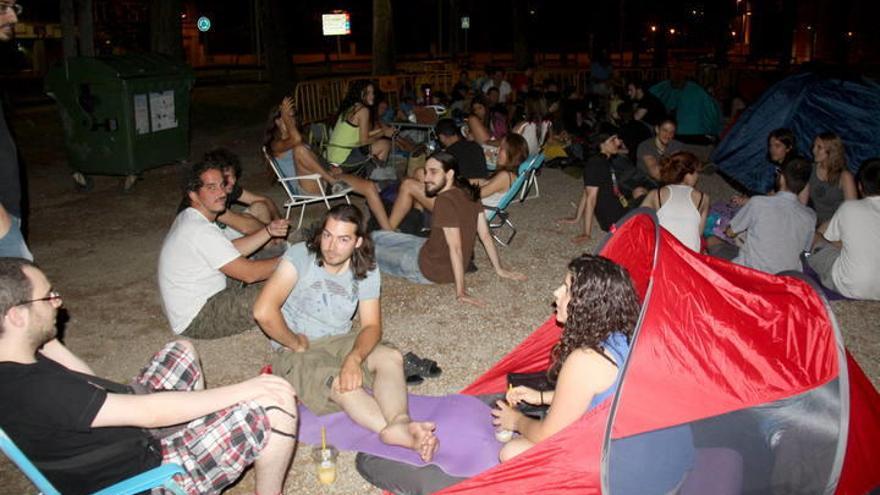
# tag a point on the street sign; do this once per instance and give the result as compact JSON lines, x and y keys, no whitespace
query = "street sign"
{"x":204,"y":24}
{"x":336,"y":24}
{"x":465,"y":22}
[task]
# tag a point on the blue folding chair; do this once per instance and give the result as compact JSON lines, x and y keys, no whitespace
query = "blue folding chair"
{"x":497,"y":216}
{"x":156,"y":477}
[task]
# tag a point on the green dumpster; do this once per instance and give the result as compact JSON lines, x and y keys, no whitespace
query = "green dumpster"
{"x":122,"y":115}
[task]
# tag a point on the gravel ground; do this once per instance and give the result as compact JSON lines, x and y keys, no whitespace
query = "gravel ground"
{"x":100,"y":250}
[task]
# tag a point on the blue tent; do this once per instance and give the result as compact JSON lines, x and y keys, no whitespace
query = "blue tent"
{"x":808,"y":104}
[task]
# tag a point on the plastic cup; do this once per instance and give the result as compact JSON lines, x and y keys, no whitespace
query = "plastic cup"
{"x":503,"y":436}
{"x":325,"y":460}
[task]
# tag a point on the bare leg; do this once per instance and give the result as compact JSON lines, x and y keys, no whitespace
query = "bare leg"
{"x":386,"y":411}
{"x":274,"y":460}
{"x":411,"y":192}
{"x":380,"y":149}
{"x":367,"y":189}
{"x":307,"y":163}
{"x":514,"y":448}
{"x":260,"y":211}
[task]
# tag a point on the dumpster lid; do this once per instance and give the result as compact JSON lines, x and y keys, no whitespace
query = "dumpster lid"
{"x":131,"y":66}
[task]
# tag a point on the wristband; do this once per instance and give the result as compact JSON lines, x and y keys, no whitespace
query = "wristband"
{"x":542,"y":397}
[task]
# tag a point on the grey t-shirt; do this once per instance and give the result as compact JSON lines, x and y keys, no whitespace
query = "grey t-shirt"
{"x":648,"y":147}
{"x":323,"y":304}
{"x":778,"y":228}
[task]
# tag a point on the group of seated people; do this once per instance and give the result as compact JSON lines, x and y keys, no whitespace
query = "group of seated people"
{"x":814,"y":216}
{"x":56,"y":409}
{"x":216,"y":255}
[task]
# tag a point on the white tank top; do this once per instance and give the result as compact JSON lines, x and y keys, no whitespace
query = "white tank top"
{"x":680,"y":217}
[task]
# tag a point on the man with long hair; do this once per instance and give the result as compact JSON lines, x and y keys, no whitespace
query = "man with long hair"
{"x":457,"y":221}
{"x":200,"y":269}
{"x":306,"y":308}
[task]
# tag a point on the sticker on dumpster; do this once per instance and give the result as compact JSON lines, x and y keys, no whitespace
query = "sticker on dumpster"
{"x":162,"y":111}
{"x":141,"y":114}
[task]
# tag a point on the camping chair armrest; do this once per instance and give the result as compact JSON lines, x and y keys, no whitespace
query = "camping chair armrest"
{"x":301,"y":177}
{"x":147,"y":480}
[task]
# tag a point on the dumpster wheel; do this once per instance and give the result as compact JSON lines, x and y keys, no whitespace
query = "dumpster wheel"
{"x":128,"y":182}
{"x":83,"y":183}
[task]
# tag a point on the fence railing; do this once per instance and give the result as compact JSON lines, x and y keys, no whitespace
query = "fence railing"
{"x":318,"y":100}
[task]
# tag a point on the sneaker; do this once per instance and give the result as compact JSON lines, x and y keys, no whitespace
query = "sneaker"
{"x":339,"y":186}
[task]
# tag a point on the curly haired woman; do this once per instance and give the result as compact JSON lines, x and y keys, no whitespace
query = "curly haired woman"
{"x":598,"y":308}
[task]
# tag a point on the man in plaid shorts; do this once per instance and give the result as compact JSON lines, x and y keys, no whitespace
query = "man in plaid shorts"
{"x":85,"y":433}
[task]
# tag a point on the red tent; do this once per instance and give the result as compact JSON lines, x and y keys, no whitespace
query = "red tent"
{"x":752,"y":364}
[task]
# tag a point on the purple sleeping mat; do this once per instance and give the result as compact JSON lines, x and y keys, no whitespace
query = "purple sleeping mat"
{"x":464,"y":430}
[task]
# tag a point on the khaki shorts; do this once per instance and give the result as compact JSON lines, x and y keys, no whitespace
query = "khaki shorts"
{"x":312,"y":372}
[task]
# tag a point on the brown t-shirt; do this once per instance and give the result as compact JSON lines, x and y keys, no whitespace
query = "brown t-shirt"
{"x":453,"y":208}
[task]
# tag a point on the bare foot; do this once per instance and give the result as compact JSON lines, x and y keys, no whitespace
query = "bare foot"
{"x":567,"y":220}
{"x":581,"y":239}
{"x":415,"y":435}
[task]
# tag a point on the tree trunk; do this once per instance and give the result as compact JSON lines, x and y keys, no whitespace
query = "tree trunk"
{"x":85,"y":19}
{"x":522,"y":55}
{"x":281,"y":73}
{"x":68,"y":29}
{"x":166,"y":36}
{"x":454,"y":28}
{"x":383,"y":38}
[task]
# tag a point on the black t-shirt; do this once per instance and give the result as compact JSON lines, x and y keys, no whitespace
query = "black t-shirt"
{"x":597,"y":173}
{"x":471,"y":159}
{"x":656,"y":110}
{"x":10,"y":183}
{"x":48,"y":410}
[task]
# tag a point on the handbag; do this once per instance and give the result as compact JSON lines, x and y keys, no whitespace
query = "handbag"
{"x":537,"y":381}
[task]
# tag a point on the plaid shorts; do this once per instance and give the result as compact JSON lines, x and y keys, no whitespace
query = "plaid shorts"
{"x":172,"y":368}
{"x":212,"y":450}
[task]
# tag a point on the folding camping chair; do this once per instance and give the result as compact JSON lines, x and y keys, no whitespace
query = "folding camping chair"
{"x":156,"y":477}
{"x":296,"y":197}
{"x":498,"y":217}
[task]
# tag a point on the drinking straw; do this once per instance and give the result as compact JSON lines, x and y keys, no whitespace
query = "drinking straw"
{"x":323,"y":438}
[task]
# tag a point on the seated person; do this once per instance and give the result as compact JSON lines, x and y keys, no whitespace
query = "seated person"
{"x":356,"y":138}
{"x":87,"y":433}
{"x":831,"y":183}
{"x":850,"y":263}
{"x":646,"y":107}
{"x":511,"y":153}
{"x":651,"y":150}
{"x":472,"y":165}
{"x":457,"y":221}
{"x":604,"y":196}
{"x":306,"y":309}
{"x":535,"y":125}
{"x":778,"y":228}
{"x":681,"y":209}
{"x":260,"y":211}
{"x":479,"y":127}
{"x":598,"y":309}
{"x":294,"y":157}
{"x":200,"y":268}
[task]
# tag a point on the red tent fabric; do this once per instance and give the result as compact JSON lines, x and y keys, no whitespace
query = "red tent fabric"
{"x":717,"y":337}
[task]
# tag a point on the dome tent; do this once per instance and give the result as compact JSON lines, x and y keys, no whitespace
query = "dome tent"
{"x":752,"y":364}
{"x":808,"y":104}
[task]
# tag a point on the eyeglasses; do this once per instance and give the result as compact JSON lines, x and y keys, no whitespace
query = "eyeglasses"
{"x":54,"y":298}
{"x":5,"y":8}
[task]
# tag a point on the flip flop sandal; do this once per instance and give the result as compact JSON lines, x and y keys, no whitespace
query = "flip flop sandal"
{"x":413,"y":380}
{"x":414,"y":365}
